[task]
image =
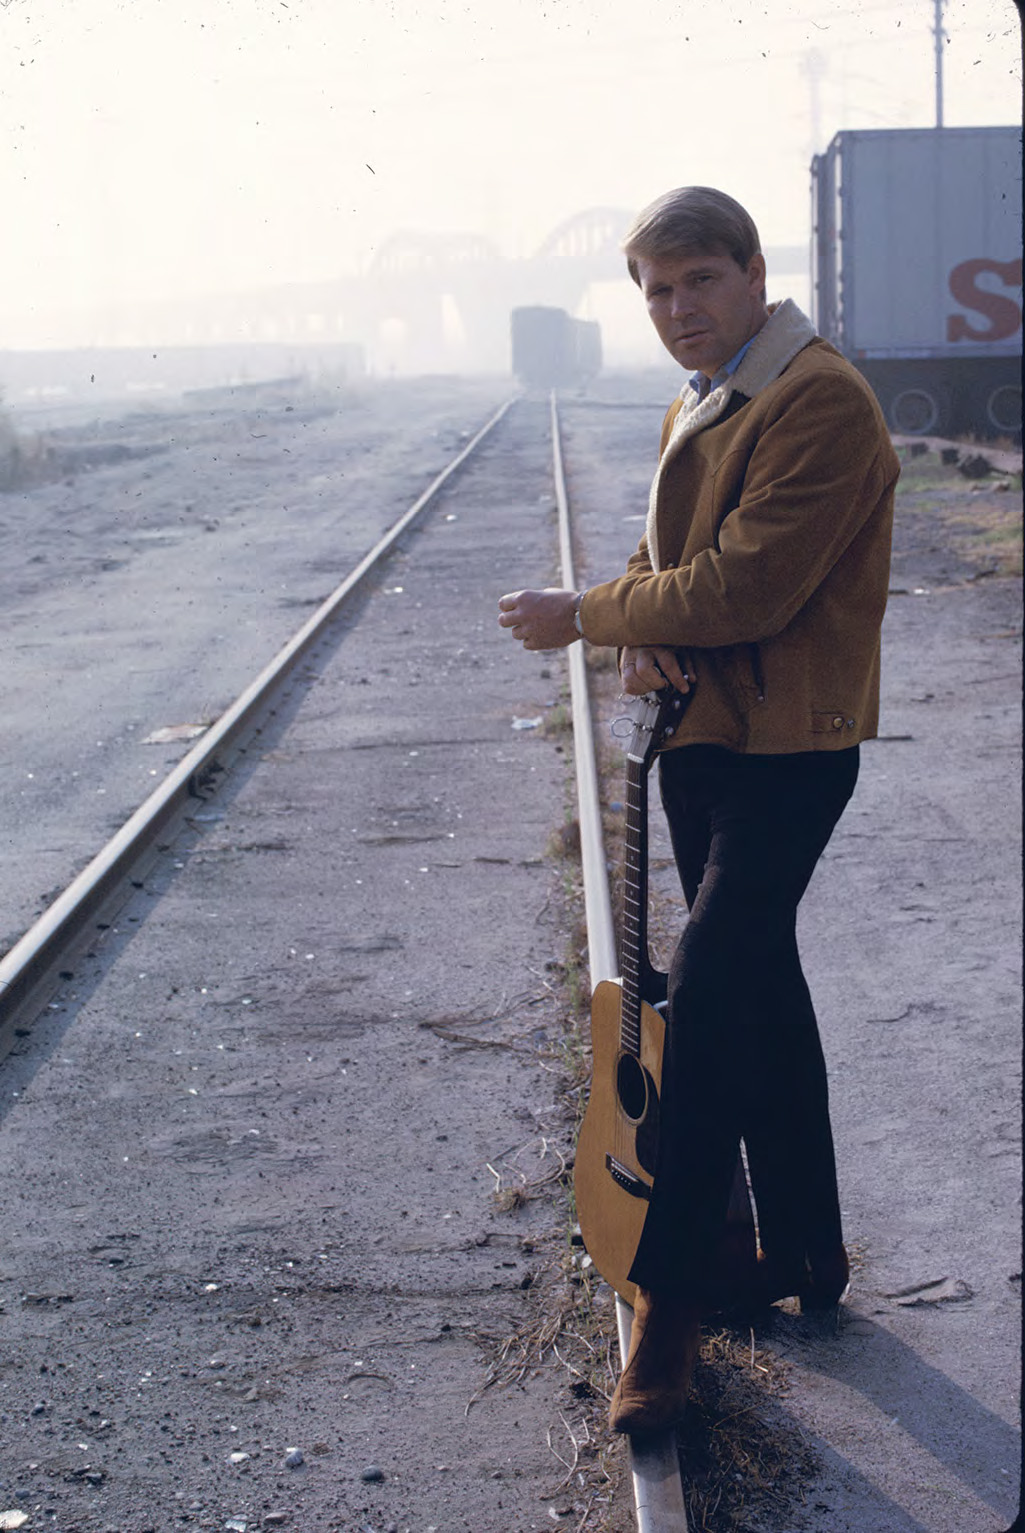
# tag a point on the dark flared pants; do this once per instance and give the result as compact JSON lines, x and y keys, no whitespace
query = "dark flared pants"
{"x":743,"y":1058}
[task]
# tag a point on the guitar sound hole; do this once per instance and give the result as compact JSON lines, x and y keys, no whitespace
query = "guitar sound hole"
{"x":632,"y":1087}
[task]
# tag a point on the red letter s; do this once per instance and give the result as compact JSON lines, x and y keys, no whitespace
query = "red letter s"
{"x":1004,"y":314}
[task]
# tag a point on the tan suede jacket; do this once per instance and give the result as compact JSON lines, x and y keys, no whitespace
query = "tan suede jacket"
{"x":767,"y":555}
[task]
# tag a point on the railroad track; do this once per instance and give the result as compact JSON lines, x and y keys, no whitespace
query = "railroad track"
{"x":31,"y":969}
{"x":34,"y":967}
{"x":46,"y":952}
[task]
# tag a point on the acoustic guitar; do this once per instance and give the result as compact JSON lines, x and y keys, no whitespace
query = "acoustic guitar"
{"x":618,"y":1141}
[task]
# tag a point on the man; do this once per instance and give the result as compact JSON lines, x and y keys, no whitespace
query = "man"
{"x":758,"y":590}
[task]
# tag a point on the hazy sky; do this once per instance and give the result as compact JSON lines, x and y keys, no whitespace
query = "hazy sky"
{"x":167,"y":147}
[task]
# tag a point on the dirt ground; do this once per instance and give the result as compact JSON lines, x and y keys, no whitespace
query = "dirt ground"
{"x":287,"y":1230}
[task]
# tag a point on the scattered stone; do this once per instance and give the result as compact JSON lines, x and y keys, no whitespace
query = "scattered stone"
{"x":938,"y":1291}
{"x":274,"y":1519}
{"x":372,"y":1474}
{"x":949,"y":455}
{"x":975,"y":467}
{"x":238,"y":1458}
{"x":294,"y":1458}
{"x":87,"y":1473}
{"x":170,"y":733}
{"x":13,"y":1519}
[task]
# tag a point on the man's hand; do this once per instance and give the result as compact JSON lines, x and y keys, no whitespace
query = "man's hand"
{"x":649,"y":668}
{"x":540,"y":619}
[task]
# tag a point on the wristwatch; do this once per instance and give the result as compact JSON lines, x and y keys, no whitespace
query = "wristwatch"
{"x":578,"y":625}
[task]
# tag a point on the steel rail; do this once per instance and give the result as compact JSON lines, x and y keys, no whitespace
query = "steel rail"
{"x":654,"y":1464}
{"x":28,"y":972}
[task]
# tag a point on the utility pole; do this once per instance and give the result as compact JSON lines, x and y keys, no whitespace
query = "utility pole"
{"x":813,"y":64}
{"x":938,"y":42}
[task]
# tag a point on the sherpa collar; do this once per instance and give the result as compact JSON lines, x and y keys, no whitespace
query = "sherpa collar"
{"x":786,"y":332}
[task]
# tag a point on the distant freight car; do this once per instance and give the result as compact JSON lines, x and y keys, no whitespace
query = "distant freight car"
{"x":552,"y":350}
{"x":917,"y":267}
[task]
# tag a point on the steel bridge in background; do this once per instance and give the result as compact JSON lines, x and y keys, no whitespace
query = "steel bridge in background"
{"x":426,"y":302}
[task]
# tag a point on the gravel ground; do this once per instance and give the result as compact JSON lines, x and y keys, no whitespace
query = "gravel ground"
{"x":284,"y":1166}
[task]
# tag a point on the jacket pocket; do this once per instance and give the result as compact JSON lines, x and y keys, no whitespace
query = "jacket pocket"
{"x":833,"y":721}
{"x":742,"y":673}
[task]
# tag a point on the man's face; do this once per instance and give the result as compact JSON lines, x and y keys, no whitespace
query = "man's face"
{"x":704,"y":307}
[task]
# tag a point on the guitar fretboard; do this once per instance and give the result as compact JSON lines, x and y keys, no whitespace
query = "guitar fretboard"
{"x":635,"y":900}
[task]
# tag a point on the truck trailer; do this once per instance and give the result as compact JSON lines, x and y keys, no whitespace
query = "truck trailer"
{"x":917,"y":272}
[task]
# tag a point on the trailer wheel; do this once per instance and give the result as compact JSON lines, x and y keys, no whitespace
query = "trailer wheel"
{"x":914,"y":412}
{"x":1004,"y":408}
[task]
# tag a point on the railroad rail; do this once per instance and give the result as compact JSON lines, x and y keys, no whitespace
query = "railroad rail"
{"x":654,"y":1464}
{"x":31,"y":968}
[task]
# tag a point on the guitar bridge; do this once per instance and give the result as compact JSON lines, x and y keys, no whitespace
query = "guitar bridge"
{"x":627,"y":1179}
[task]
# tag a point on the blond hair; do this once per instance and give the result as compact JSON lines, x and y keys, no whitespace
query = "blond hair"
{"x":691,"y":220}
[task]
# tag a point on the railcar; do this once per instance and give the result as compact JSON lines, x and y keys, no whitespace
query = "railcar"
{"x":552,"y":350}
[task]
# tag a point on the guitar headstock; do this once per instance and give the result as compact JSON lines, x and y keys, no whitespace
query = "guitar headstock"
{"x":653,"y":719}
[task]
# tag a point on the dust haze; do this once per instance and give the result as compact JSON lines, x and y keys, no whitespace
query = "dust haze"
{"x":338,"y":188}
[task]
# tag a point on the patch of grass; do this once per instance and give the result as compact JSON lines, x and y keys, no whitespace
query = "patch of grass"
{"x":600,"y":658}
{"x":739,"y":1462}
{"x":1005,"y":543}
{"x":563,"y":848}
{"x":918,"y":474}
{"x":981,"y":519}
{"x":987,"y":533}
{"x":558,"y":722}
{"x":564,"y":843}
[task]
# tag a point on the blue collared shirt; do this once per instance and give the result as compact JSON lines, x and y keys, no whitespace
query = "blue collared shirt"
{"x":703,"y":386}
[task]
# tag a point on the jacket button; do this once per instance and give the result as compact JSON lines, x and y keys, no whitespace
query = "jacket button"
{"x":838,"y":721}
{"x":670,"y":564}
{"x":850,"y":723}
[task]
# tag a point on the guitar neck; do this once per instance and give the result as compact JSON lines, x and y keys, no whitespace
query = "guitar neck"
{"x":641,"y":982}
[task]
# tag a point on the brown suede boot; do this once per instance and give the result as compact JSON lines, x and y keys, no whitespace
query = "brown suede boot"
{"x":654,"y":1385}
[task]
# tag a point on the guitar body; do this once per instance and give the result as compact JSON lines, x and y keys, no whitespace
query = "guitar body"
{"x":618,"y":1140}
{"x":615,"y":1162}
